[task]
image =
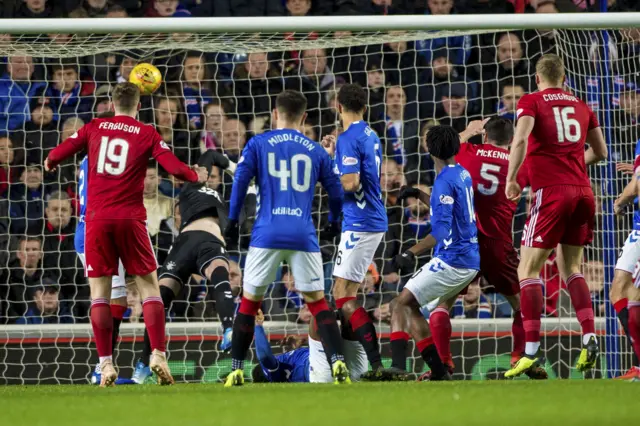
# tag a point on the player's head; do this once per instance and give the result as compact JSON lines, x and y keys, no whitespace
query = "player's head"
{"x":291,"y":108}
{"x":550,"y":71}
{"x":257,"y":375}
{"x":126,"y":98}
{"x":443,"y":142}
{"x":498,"y":131}
{"x":352,"y":99}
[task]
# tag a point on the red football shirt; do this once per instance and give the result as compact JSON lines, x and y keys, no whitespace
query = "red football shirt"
{"x":119,"y":149}
{"x":488,"y":165}
{"x":555,"y":153}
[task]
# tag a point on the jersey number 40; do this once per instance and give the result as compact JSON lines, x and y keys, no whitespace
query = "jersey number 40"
{"x":300,"y":164}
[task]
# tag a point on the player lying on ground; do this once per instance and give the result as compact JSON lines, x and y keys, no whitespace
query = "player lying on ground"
{"x":118,"y":150}
{"x":199,"y":249}
{"x":625,"y":289}
{"x":286,"y":166}
{"x":553,"y":126}
{"x":456,"y":260}
{"x":358,"y":157}
{"x":302,"y":364}
{"x":118,"y":303}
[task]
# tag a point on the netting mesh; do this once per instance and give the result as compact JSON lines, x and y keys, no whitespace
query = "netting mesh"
{"x":218,"y":95}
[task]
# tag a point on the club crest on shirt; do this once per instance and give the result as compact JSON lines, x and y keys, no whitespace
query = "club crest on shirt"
{"x":446,"y":199}
{"x":349,"y":161}
{"x":518,"y":112}
{"x":164,"y":145}
{"x":75,"y":135}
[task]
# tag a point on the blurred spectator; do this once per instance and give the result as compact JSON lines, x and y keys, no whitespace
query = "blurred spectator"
{"x":376,"y":91}
{"x":194,"y":91}
{"x":16,"y":90}
{"x":334,"y":7}
{"x":42,"y":131}
{"x":473,"y":304}
{"x":420,"y":167}
{"x":593,"y":271}
{"x":391,"y":180}
{"x":125,"y":63}
{"x":235,"y":278}
{"x":234,"y":136}
{"x":166,"y":9}
{"x":10,"y":159}
{"x":398,"y":134}
{"x":452,"y":110}
{"x":27,"y":198}
{"x":70,"y":96}
{"x":95,"y":8}
{"x":170,"y":124}
{"x":214,"y":117}
{"x":257,"y":8}
{"x":23,"y":274}
{"x":298,"y":7}
{"x":373,"y":298}
{"x":37,"y":9}
{"x":134,"y":305}
{"x":510,"y":94}
{"x":385,"y":7}
{"x":45,"y":308}
{"x":158,"y":206}
{"x":256,"y":84}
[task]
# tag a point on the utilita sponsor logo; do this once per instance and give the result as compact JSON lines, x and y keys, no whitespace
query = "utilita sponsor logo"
{"x":286,"y":211}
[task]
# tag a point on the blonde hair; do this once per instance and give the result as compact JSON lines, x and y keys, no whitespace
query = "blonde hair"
{"x":550,"y":69}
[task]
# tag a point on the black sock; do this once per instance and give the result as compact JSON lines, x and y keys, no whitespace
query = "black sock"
{"x":116,"y":333}
{"x":431,"y":357}
{"x":220,"y":290}
{"x":368,"y":338}
{"x":623,"y":316}
{"x":243,"y":328}
{"x":330,"y":335}
{"x":167,"y":296}
{"x":399,"y":354}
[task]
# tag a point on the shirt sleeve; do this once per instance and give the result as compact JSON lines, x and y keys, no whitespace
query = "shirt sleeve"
{"x":593,"y":120}
{"x":331,"y":183}
{"x":245,"y":171}
{"x":72,"y":145}
{"x":161,"y":152}
{"x":442,"y":204}
{"x":263,"y":350}
{"x":347,"y":156}
{"x":527,"y":106}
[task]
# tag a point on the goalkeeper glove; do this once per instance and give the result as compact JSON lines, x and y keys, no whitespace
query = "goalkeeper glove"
{"x":330,"y":231}
{"x":226,"y":339}
{"x":407,"y":192}
{"x":404,"y":261}
{"x":220,"y":160}
{"x":232,"y":232}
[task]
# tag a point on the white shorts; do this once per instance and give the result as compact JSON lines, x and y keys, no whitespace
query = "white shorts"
{"x":319,"y":369}
{"x":118,"y":282}
{"x":437,"y":280}
{"x":630,"y":253}
{"x":262,"y":264}
{"x":355,"y":254}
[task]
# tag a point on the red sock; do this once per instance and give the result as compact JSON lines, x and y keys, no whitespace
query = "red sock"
{"x":153,"y":312}
{"x":249,"y":307}
{"x":102,"y":324}
{"x":399,"y":335}
{"x":424,"y":343}
{"x":517,"y":332}
{"x":359,"y":318}
{"x":620,"y":305}
{"x":318,"y":306}
{"x":117,"y":311}
{"x":340,"y":302}
{"x":634,"y":326}
{"x":531,"y":308}
{"x":440,"y":324}
{"x":581,"y":301}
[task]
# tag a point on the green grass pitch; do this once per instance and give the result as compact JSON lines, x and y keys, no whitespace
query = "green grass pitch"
{"x":517,"y":403}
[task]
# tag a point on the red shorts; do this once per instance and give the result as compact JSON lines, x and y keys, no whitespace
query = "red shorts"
{"x":560,"y":214}
{"x":499,"y":264}
{"x":107,"y":241}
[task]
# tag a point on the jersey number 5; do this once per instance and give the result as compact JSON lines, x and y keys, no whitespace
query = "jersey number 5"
{"x":112,"y":158}
{"x":568,"y":128}
{"x":488,"y":173}
{"x":285,"y":172}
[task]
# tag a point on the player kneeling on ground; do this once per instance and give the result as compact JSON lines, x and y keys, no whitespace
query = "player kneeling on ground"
{"x":199,"y":249}
{"x":456,"y":260}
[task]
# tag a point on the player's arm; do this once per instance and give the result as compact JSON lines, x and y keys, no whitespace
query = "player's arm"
{"x":72,"y":145}
{"x":629,"y":192}
{"x":475,"y":127}
{"x":242,"y":177}
{"x":333,"y":186}
{"x":263,"y":348}
{"x":214,"y":158}
{"x":597,"y":147}
{"x":171,"y":164}
{"x":348,"y":162}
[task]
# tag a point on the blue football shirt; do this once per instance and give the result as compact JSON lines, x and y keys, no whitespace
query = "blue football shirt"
{"x":293,"y":367}
{"x":358,"y":150}
{"x":453,"y":218}
{"x":78,"y":239}
{"x":286,"y":166}
{"x":636,"y":212}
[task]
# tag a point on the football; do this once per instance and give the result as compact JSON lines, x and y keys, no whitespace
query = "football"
{"x":147,"y":77}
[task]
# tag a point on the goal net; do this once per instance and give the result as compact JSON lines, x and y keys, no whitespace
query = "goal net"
{"x":220,"y":80}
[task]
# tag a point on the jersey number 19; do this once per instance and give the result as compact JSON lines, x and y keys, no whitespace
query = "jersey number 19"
{"x":292,"y":170}
{"x":111,"y":161}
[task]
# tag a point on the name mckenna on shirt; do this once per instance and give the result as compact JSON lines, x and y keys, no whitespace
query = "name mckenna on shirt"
{"x":489,"y":153}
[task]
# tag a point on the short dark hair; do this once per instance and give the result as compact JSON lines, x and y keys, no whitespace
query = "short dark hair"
{"x":291,"y":104}
{"x":443,"y":142}
{"x":126,"y":96}
{"x":499,"y":130}
{"x":257,"y":375}
{"x":352,"y":98}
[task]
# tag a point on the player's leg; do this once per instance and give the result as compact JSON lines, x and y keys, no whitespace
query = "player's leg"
{"x":355,"y":254}
{"x":399,"y":340}
{"x":634,"y":327}
{"x":308,"y":275}
{"x":440,"y":324}
{"x":118,"y":301}
{"x":259,"y":271}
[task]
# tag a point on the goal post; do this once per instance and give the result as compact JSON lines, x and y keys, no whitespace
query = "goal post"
{"x":220,"y":76}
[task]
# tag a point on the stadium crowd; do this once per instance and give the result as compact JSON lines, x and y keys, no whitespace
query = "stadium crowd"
{"x":218,"y":101}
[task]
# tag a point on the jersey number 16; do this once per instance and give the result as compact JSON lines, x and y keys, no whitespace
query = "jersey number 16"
{"x":300,"y":164}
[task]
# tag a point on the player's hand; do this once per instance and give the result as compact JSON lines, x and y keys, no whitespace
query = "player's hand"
{"x":404,"y":261}
{"x":48,"y":167}
{"x":513,"y":191}
{"x":227,"y":336}
{"x":618,"y":207}
{"x":329,"y":144}
{"x":220,"y":160}
{"x":330,"y":231}
{"x":203,"y":175}
{"x":625,"y":168}
{"x":475,"y":127}
{"x":260,"y":317}
{"x":407,"y":192}
{"x":232,"y":232}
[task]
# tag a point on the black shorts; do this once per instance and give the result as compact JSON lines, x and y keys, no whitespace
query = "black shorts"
{"x":190,"y":254}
